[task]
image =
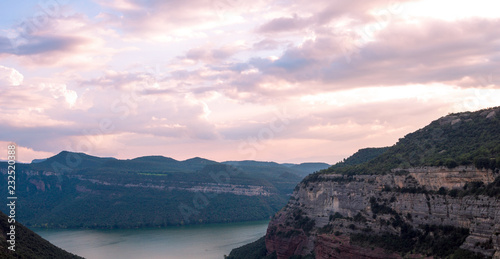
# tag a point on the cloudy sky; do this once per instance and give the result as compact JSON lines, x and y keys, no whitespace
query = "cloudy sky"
{"x":287,"y":81}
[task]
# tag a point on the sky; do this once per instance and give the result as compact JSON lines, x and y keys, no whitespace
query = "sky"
{"x":275,"y":80}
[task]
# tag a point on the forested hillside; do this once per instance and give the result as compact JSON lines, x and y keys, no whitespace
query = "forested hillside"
{"x":28,"y":244}
{"x":469,"y":138}
{"x":83,"y":191}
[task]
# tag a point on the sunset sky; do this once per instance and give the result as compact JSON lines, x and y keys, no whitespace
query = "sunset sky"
{"x":285,"y":81}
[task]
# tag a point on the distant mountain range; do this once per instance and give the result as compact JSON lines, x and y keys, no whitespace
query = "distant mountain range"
{"x":165,"y":164}
{"x":79,"y":190}
{"x":34,"y":161}
{"x":302,"y":169}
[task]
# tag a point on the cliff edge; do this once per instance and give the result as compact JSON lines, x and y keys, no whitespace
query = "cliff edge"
{"x":434,"y":194}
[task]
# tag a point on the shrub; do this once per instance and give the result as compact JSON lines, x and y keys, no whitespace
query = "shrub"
{"x":450,"y":163}
{"x":336,"y":216}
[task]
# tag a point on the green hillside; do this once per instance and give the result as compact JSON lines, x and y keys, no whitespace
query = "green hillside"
{"x":76,"y":190}
{"x":258,"y":167}
{"x":65,"y":161}
{"x":361,"y":156}
{"x":28,"y":244}
{"x":305,"y":169}
{"x":469,"y":138}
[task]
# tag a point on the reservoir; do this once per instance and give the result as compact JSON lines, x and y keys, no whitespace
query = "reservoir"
{"x":211,"y":241}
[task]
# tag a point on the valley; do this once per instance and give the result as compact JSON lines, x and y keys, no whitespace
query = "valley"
{"x":76,"y":190}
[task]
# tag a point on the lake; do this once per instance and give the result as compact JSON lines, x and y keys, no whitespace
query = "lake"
{"x":211,"y":241}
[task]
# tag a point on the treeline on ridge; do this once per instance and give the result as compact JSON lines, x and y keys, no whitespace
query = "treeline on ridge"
{"x":470,"y":138}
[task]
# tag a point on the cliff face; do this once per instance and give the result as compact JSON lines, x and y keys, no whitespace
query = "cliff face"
{"x":335,"y":216}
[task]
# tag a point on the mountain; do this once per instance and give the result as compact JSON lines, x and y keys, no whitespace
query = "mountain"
{"x":302,"y":170}
{"x":362,"y":156}
{"x":78,"y":190}
{"x":34,"y":161}
{"x":435,"y":193}
{"x":66,"y":161}
{"x":305,"y":169}
{"x":467,"y":138}
{"x":157,"y":164}
{"x":27,"y":243}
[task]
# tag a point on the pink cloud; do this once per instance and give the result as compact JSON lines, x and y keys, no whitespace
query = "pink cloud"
{"x":65,"y":40}
{"x":428,"y":52}
{"x":351,"y":74}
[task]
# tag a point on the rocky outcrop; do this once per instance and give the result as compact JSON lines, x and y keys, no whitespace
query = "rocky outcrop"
{"x":327,"y":246}
{"x":237,"y":189}
{"x":434,"y":178}
{"x":39,"y":184}
{"x":325,"y":213}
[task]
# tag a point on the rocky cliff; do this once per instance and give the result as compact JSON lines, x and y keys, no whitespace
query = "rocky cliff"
{"x":325,"y":213}
{"x":434,"y":194}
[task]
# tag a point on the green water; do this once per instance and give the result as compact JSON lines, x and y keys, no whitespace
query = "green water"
{"x":201,"y":242}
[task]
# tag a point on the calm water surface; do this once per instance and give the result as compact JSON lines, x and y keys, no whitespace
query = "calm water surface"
{"x":207,"y":241}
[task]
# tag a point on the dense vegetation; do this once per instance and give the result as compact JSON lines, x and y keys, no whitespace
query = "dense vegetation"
{"x":253,"y":250}
{"x":362,"y":156}
{"x":470,"y":138}
{"x":469,"y":189}
{"x":438,"y":241}
{"x":475,"y":188}
{"x":305,"y":169}
{"x":257,"y":167}
{"x":257,"y":250}
{"x":77,"y":190}
{"x":28,"y":244}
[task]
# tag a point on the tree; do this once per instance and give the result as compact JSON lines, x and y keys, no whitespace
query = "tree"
{"x":450,"y":163}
